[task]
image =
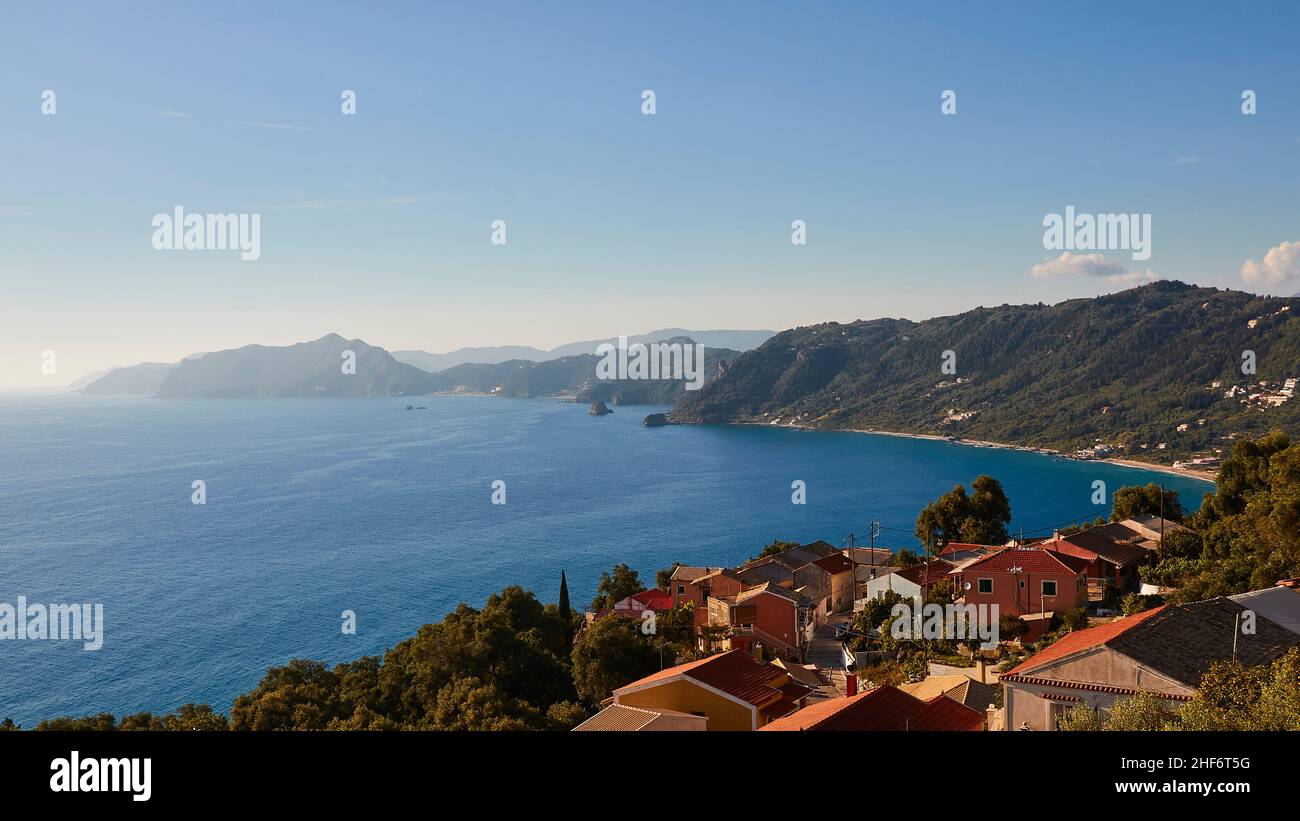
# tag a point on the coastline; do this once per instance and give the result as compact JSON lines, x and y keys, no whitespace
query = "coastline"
{"x":1199,"y":475}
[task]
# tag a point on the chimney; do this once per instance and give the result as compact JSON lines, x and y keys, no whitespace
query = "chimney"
{"x":851,"y":684}
{"x":989,"y":715}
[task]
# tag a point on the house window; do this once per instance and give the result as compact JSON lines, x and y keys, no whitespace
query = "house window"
{"x":985,"y":585}
{"x":681,"y":590}
{"x":1049,"y":588}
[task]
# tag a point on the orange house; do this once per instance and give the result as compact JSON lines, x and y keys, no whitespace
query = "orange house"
{"x":718,"y":582}
{"x":1025,"y":580}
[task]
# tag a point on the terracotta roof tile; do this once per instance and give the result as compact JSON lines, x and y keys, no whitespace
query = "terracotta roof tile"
{"x":935,"y":571}
{"x":1077,"y":640}
{"x":735,"y":672}
{"x":882,"y":708}
{"x":1114,"y":542}
{"x":1032,"y":559}
{"x":655,"y":599}
{"x":626,"y":718}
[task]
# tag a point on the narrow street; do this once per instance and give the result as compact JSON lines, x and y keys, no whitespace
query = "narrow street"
{"x":824,"y":651}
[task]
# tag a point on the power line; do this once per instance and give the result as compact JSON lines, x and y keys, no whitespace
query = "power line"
{"x":1049,"y":528}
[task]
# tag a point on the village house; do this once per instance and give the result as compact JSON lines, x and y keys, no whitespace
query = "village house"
{"x":882,"y":708}
{"x":869,"y":556}
{"x":1025,"y":580}
{"x":730,"y":691}
{"x":680,"y":582}
{"x":1164,"y":651}
{"x":909,"y":582}
{"x":622,"y":718}
{"x":767,"y":619}
{"x":636,"y":605}
{"x":815,"y":571}
{"x":765,"y":571}
{"x":721,"y":583}
{"x":818,"y":578}
{"x":1279,"y":604}
{"x":959,"y":553}
{"x":838,"y":570}
{"x":960,"y":688}
{"x":1115,"y":551}
{"x":866,"y":574}
{"x":806,"y":674}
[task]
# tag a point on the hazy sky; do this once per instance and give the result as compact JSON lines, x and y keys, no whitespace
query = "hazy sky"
{"x":378,"y":225}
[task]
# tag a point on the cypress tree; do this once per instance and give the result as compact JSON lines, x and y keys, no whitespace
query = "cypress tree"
{"x":565,"y":613}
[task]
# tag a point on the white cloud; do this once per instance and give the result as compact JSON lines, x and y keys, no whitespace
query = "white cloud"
{"x":1068,"y":265}
{"x":1091,"y":265}
{"x":1134,"y":277}
{"x":1280,"y":264}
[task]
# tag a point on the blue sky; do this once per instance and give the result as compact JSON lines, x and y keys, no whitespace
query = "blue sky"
{"x":377,"y":225}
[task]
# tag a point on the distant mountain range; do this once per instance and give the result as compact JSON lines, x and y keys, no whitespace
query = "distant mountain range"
{"x":1118,"y":375}
{"x":317,"y":368}
{"x":305,"y":369}
{"x":434,"y":362}
{"x":575,"y":376}
{"x":142,"y":379}
{"x":78,"y":384}
{"x":1142,"y":367}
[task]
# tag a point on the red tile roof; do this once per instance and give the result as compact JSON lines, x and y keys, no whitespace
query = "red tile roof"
{"x":655,"y":599}
{"x":736,"y":673}
{"x":1084,"y":685}
{"x":882,"y":708}
{"x":1114,"y":542}
{"x":1078,"y":640}
{"x":839,"y":563}
{"x":1031,"y":559}
{"x":937,"y":570}
{"x":964,"y":547}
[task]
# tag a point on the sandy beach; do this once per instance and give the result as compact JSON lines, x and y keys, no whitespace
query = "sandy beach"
{"x":1202,"y":475}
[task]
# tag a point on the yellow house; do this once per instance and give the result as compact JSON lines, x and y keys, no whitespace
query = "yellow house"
{"x":732,"y":691}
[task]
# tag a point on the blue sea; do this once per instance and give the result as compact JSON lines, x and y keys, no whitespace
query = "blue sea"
{"x":317,"y":506}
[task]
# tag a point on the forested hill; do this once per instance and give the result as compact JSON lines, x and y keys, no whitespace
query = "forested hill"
{"x":1124,"y":369}
{"x":575,"y":376}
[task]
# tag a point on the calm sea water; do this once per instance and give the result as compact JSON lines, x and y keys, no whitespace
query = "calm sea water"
{"x":318,"y":506}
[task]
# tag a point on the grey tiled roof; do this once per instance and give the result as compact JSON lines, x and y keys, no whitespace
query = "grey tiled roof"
{"x":1183,"y":640}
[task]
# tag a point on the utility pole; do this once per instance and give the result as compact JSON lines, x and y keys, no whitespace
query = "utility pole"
{"x":1236,"y":631}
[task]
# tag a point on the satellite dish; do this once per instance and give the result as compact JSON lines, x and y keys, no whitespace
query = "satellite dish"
{"x":966,"y":586}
